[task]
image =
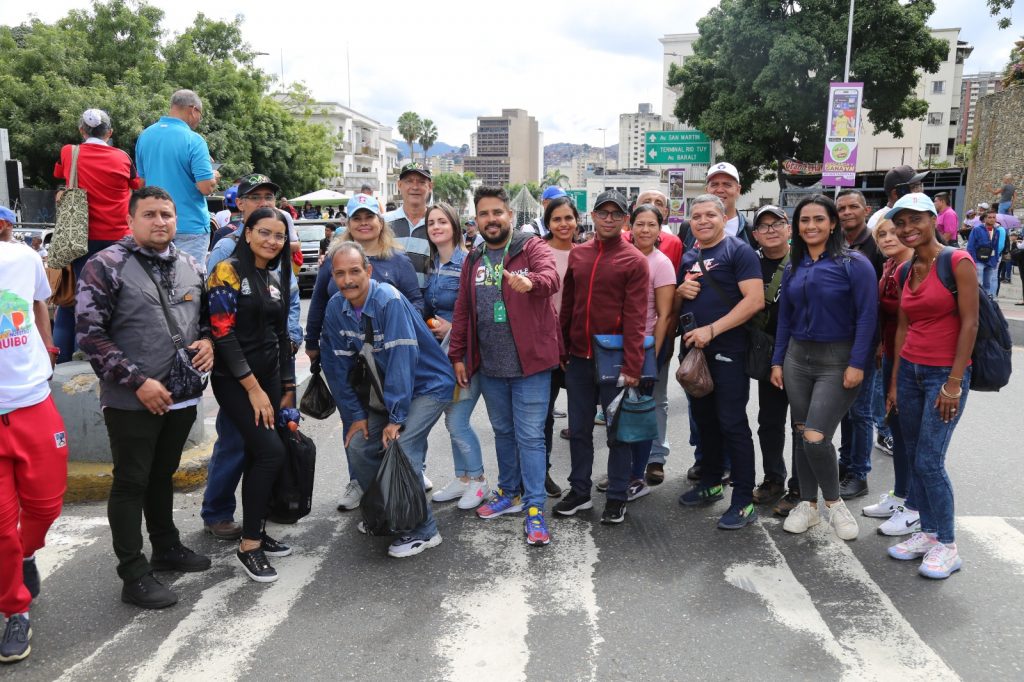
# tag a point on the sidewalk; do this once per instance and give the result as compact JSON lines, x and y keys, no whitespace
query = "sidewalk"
{"x":1009,"y":294}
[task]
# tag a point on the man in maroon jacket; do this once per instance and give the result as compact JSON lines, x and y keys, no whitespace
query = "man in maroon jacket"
{"x":604,"y":292}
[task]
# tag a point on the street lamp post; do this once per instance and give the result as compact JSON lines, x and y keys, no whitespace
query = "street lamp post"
{"x":604,"y":148}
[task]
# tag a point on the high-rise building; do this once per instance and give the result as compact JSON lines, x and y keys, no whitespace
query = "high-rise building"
{"x":506,"y":149}
{"x":973,"y":88}
{"x":632,"y":129}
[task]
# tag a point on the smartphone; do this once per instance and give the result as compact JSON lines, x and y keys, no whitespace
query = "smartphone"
{"x":687,"y":322}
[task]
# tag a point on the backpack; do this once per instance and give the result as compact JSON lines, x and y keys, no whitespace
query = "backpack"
{"x":993,"y":349}
{"x":292,"y":496}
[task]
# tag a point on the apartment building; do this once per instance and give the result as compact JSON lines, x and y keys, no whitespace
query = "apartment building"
{"x":973,"y":88}
{"x":505,"y":149}
{"x":365,"y":153}
{"x":632,"y":129}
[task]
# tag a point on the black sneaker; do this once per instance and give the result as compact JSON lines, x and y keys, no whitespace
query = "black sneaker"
{"x":272,"y":547}
{"x":768,"y":491}
{"x":552,"y":488}
{"x":884,"y":444}
{"x":178,"y":557}
{"x":15,"y":644}
{"x":693,"y":473}
{"x":851,"y":487}
{"x":572,"y":503}
{"x":787,"y":504}
{"x":614,"y":512}
{"x":30,"y":576}
{"x":256,"y":565}
{"x":148,"y":593}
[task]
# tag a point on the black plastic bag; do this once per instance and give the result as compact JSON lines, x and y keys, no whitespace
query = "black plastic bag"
{"x":317,"y":401}
{"x":292,"y":497}
{"x":396,"y":501}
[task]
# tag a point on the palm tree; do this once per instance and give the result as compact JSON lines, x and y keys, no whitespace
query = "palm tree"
{"x":409,"y":127}
{"x":428,"y":136}
{"x":554,"y":178}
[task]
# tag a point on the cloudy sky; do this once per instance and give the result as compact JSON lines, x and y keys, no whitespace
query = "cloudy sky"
{"x":571,"y":64}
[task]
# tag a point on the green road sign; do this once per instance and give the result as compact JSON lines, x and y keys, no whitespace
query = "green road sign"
{"x":579,"y":196}
{"x":677,"y":146}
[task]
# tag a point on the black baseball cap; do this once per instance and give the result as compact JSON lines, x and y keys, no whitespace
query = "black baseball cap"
{"x":414,"y":167}
{"x":254,"y":180}
{"x":902,"y":175}
{"x":774,"y":210}
{"x":614,"y":197}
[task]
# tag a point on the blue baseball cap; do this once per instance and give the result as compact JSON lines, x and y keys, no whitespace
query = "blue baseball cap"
{"x":362,"y":202}
{"x":230,"y":194}
{"x":552,"y":192}
{"x":912,"y":202}
{"x":8,"y":215}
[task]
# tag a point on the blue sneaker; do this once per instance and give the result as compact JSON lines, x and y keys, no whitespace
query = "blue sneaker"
{"x":536,"y":528}
{"x":15,"y":643}
{"x":700,"y":494}
{"x":737,"y":517}
{"x":499,"y":504}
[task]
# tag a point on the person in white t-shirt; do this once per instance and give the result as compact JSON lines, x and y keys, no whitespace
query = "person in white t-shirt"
{"x":33,"y":443}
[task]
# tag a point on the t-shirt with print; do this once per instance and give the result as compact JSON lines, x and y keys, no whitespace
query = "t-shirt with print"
{"x":661,"y":274}
{"x":498,"y":355}
{"x":728,"y":262}
{"x":24,"y":361}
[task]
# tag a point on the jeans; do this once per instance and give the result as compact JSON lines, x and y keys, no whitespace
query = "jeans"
{"x":878,"y":406}
{"x":1004,"y":207}
{"x":858,"y":428}
{"x":195,"y":245}
{"x":64,"y":320}
{"x":365,"y":454}
{"x":223,"y":473}
{"x":584,"y":391}
{"x":813,"y":376}
{"x":466,"y":453}
{"x":927,"y":438}
{"x":900,"y":460}
{"x":557,"y":383}
{"x":725,"y":434}
{"x":987,"y":279}
{"x":773,"y":408}
{"x":694,"y":439}
{"x":517,"y":408}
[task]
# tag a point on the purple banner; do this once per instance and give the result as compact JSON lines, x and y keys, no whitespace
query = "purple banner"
{"x":842,"y":130}
{"x":676,"y":197}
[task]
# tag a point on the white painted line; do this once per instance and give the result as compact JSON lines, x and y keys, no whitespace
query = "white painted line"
{"x":66,"y":536}
{"x":997,"y":537}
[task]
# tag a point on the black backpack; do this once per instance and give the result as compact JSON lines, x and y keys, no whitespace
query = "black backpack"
{"x":292,"y":497}
{"x":991,"y":360}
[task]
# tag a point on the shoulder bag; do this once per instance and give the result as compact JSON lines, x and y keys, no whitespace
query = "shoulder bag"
{"x":608,"y":359}
{"x":364,"y":377}
{"x":71,"y":228}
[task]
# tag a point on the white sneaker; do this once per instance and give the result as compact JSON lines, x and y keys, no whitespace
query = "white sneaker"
{"x":350,"y":498}
{"x":476,"y":493}
{"x":903,"y":522}
{"x":887,"y":504}
{"x":408,"y":546}
{"x":940,"y":562}
{"x":842,"y":521}
{"x":914,"y":548}
{"x":452,"y":491}
{"x":801,"y":517}
{"x":427,"y":485}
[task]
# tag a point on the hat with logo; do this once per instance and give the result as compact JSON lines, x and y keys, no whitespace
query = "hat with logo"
{"x":724,"y":167}
{"x":901,"y":175}
{"x":414,"y":167}
{"x":916,"y":201}
{"x":254,"y":180}
{"x":8,"y":215}
{"x":552,"y":192}
{"x":614,"y":197}
{"x":983,"y":206}
{"x":362,"y":202}
{"x":774,"y":210}
{"x":230,"y":194}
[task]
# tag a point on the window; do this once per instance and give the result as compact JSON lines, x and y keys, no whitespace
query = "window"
{"x":935,"y":118}
{"x":931,"y":150}
{"x":938,"y":87}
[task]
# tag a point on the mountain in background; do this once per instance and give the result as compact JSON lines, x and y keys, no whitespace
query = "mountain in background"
{"x":437,"y":149}
{"x":560,"y":152}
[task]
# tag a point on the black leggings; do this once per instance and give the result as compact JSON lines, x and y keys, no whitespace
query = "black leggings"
{"x":264,"y":451}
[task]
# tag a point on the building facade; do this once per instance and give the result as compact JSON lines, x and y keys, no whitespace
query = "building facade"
{"x":973,"y":88}
{"x":632,"y":129}
{"x":364,"y":154}
{"x":505,"y":149}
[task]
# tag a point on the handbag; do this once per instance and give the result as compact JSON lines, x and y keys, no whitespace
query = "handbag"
{"x":694,"y":375}
{"x":635,"y":420}
{"x":292,"y":496}
{"x":608,"y":359}
{"x":317,"y":401}
{"x":62,"y":285}
{"x":364,"y":377}
{"x":71,"y":224}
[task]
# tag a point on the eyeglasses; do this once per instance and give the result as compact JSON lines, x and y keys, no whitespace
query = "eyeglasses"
{"x":278,"y":237}
{"x":771,"y":227}
{"x":258,"y":197}
{"x":610,"y":215}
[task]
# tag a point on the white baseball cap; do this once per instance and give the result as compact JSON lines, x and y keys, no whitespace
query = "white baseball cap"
{"x":724,"y":167}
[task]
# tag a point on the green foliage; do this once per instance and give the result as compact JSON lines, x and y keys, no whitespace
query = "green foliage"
{"x":554,"y":177}
{"x":963,"y":154}
{"x":409,"y":127}
{"x":452,"y":188}
{"x":532,"y":187}
{"x":428,"y":136}
{"x":996,"y":7}
{"x":114,"y":56}
{"x":759,"y":78}
{"x":1013,"y":74}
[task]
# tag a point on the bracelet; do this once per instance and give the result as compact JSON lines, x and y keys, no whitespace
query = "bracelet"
{"x":712,"y":327}
{"x":250,"y":390}
{"x":53,"y":350}
{"x":942,"y":390}
{"x":958,"y":380}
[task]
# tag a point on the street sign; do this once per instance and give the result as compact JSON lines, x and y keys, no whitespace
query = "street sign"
{"x":579,"y":197}
{"x":676,"y":146}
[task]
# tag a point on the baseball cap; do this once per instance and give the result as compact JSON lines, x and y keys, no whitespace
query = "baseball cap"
{"x":614,"y":197}
{"x":916,"y":201}
{"x":724,"y":167}
{"x":360,"y":202}
{"x":414,"y":167}
{"x":254,"y":180}
{"x":774,"y":210}
{"x":8,"y":215}
{"x":552,"y":192}
{"x":230,"y":194}
{"x":984,"y":206}
{"x":901,"y":175}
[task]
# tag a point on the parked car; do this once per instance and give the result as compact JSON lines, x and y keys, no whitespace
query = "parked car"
{"x":311,"y":233}
{"x":28,"y":234}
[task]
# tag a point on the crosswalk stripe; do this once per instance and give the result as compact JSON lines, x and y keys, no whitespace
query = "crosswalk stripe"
{"x":998,"y":537}
{"x":66,"y":536}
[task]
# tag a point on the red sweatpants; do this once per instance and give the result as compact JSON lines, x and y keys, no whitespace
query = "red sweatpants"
{"x":33,"y":477}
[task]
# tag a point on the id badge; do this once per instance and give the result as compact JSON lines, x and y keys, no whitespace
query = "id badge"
{"x":500,"y":314}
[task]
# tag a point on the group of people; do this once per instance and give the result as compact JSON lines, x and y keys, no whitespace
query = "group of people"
{"x":408,"y":324}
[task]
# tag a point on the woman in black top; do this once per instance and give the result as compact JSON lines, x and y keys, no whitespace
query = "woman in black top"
{"x":254,"y":374}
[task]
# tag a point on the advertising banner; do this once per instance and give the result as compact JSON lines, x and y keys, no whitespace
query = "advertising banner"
{"x":842,"y":130}
{"x":676,"y":198}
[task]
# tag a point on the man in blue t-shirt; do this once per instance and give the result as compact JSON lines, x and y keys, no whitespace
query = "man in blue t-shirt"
{"x":720,"y":287}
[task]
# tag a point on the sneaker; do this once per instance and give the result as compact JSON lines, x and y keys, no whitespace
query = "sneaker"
{"x":736,"y":517}
{"x":15,"y":644}
{"x":843,"y":522}
{"x":536,"y":528}
{"x":768,"y":491}
{"x":801,"y":517}
{"x":637,"y":489}
{"x":884,"y":444}
{"x":851,"y":487}
{"x":558,"y":414}
{"x":500,"y":504}
{"x":903,"y":522}
{"x":787,"y":504}
{"x":428,"y":485}
{"x":272,"y":547}
{"x":178,"y":557}
{"x":30,"y":576}
{"x":409,"y":546}
{"x":939,"y":563}
{"x":693,"y":473}
{"x":887,"y":505}
{"x":148,"y":593}
{"x":655,"y":473}
{"x":914,"y":548}
{"x":474,"y":494}
{"x":602,"y":484}
{"x":351,"y":497}
{"x":224,"y":530}
{"x":551,"y":488}
{"x":699,"y":495}
{"x":614,"y":512}
{"x":452,"y":491}
{"x":599,"y":418}
{"x":564,"y":434}
{"x":256,"y":565}
{"x":572,"y":503}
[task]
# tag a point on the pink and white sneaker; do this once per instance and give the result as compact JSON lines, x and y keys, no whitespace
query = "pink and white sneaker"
{"x":941,"y":561}
{"x":916,"y":547}
{"x":475,"y":493}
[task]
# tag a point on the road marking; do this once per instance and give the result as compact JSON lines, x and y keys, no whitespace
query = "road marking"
{"x":66,"y":536}
{"x":997,"y":537}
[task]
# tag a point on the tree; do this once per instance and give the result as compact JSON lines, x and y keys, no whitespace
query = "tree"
{"x":428,"y":136}
{"x":995,"y":7}
{"x":452,"y":188}
{"x":553,"y":178}
{"x":532,"y":187}
{"x":759,"y":78}
{"x":409,"y":127}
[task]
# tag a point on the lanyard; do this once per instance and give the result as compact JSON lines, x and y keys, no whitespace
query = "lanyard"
{"x":495,"y":270}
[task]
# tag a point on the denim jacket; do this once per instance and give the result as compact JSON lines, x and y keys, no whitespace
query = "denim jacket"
{"x":442,"y":288}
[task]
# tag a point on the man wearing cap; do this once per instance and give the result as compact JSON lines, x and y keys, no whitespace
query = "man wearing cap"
{"x":408,"y":221}
{"x":7,"y":220}
{"x":946,"y":222}
{"x":986,"y":244}
{"x":898,"y":182}
{"x":536,"y":226}
{"x":230,"y":219}
{"x":170,"y":154}
{"x":723,"y":182}
{"x":604,"y":291}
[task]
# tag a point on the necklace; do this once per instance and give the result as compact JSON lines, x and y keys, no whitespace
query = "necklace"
{"x":265,"y":277}
{"x":920,"y":277}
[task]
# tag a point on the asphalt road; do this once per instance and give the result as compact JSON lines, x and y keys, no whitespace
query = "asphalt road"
{"x":663,"y":596}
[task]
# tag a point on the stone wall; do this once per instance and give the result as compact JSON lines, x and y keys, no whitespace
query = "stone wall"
{"x":999,"y":132}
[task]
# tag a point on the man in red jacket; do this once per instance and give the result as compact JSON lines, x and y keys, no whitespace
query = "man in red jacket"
{"x":604,"y":292}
